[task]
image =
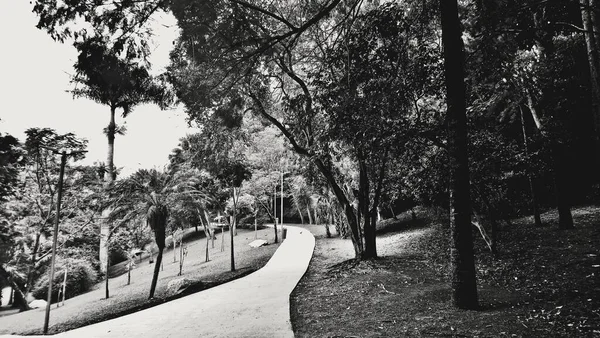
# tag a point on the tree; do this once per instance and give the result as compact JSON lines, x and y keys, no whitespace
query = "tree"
{"x":31,"y":209}
{"x":11,"y":157}
{"x":141,"y":197}
{"x":464,"y":287}
{"x":102,"y":76}
{"x":148,"y":195}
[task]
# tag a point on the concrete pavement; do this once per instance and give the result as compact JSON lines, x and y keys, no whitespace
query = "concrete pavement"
{"x":253,"y":306}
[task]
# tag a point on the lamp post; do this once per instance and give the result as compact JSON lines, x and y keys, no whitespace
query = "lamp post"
{"x":63,"y":161}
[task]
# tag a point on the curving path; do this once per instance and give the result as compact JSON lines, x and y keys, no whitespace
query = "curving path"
{"x":254,"y":306}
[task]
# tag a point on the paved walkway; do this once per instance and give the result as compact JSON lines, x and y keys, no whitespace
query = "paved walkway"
{"x":254,"y":306}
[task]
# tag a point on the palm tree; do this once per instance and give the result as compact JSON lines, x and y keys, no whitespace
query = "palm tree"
{"x":102,"y":76}
{"x":148,"y":195}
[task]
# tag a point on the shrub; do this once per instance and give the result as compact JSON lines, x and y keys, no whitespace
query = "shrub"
{"x":80,"y":278}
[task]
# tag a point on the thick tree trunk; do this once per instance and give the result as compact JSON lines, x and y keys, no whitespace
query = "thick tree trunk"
{"x":464,"y":285}
{"x":370,"y":250}
{"x":558,"y":148}
{"x":561,"y":185}
{"x":347,"y":207}
{"x":593,"y":58}
{"x":156,"y":271}
{"x":20,"y":299}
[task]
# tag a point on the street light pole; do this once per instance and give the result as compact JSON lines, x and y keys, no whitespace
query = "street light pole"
{"x":63,"y":162}
{"x":281,"y":212}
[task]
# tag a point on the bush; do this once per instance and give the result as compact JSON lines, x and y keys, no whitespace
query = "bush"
{"x":80,"y":278}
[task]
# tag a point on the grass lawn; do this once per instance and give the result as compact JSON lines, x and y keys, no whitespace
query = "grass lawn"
{"x":92,"y":307}
{"x":545,"y":283}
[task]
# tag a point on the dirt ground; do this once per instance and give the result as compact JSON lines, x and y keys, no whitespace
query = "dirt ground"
{"x":544,"y":283}
{"x":92,"y":307}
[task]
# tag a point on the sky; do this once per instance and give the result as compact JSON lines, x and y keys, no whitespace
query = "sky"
{"x":34,"y":78}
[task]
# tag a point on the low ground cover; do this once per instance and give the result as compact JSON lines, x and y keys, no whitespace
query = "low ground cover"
{"x":92,"y":307}
{"x":545,"y":283}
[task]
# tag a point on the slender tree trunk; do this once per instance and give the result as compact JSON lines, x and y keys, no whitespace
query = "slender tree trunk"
{"x":108,"y":178}
{"x":106,"y":279}
{"x":180,"y":258}
{"x":392,"y":210}
{"x":222,"y":239}
{"x":129,"y":274}
{"x":275,"y":229}
{"x":464,"y":285}
{"x":174,"y":247}
{"x":310,"y":218}
{"x":299,"y":213}
{"x":111,"y":131}
{"x":206,"y":254}
{"x":32,"y":262}
{"x":64,"y":288}
{"x":534,"y":201}
{"x":593,"y":58}
{"x":156,"y":271}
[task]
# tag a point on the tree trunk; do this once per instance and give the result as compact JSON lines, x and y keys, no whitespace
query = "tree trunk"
{"x":64,"y":288}
{"x":222,"y":239}
{"x":106,"y":279}
{"x":275,"y":229}
{"x":108,"y":178}
{"x":561,"y":185}
{"x":180,"y":258}
{"x":206,"y":253}
{"x":370,"y":250}
{"x":462,"y":260}
{"x":534,"y":201}
{"x":558,"y":148}
{"x":110,"y":134}
{"x":299,"y":212}
{"x":174,"y":247}
{"x":327,"y":231}
{"x":156,"y":271}
{"x":20,"y":299}
{"x":593,"y":58}
{"x":310,"y":218}
{"x":347,"y":207}
{"x":32,"y":262}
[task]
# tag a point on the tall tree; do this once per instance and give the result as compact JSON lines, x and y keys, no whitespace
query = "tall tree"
{"x":104,"y":77}
{"x":462,"y":260}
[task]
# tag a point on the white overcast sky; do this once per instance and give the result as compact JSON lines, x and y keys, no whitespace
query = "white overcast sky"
{"x":34,"y":76}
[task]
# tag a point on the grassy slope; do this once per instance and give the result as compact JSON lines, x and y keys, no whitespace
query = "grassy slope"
{"x":92,"y":307}
{"x":545,"y":284}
